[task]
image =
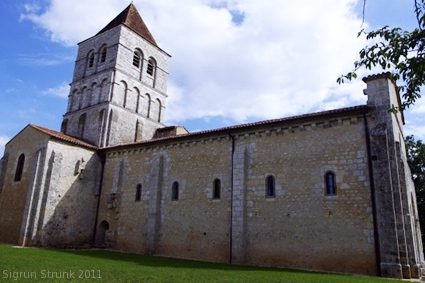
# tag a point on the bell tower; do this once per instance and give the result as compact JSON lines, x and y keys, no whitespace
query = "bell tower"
{"x":119,"y":86}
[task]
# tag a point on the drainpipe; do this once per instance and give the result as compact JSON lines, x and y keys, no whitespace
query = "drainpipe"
{"x":102,"y":160}
{"x":231,"y":198}
{"x":372,"y":193}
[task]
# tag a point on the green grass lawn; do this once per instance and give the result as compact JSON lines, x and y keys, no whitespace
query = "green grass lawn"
{"x":40,"y":265}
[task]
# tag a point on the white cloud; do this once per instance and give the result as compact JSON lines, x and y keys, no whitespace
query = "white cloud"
{"x":282,"y":59}
{"x":69,"y":22}
{"x":419,"y":107}
{"x":28,"y":61}
{"x":26,"y":114}
{"x":415,"y":122}
{"x":417,"y":130}
{"x":60,"y":91}
{"x":3,"y":141}
{"x":32,"y":8}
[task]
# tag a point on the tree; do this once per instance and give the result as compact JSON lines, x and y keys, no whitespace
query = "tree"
{"x":416,"y":160}
{"x":400,"y":52}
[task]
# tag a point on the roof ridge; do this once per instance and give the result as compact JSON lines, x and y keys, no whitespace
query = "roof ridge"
{"x":252,"y":124}
{"x":62,"y":136}
{"x":383,"y":75}
{"x":131,"y":18}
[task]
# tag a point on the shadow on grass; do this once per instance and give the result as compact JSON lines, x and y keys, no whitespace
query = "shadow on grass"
{"x":160,"y":261}
{"x":126,"y":267}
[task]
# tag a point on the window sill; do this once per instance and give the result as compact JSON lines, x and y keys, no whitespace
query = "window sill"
{"x":331,"y":196}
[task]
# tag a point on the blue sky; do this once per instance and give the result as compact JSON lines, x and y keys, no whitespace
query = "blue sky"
{"x":232,"y":62}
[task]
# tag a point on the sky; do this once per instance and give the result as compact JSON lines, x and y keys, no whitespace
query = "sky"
{"x":233,"y":61}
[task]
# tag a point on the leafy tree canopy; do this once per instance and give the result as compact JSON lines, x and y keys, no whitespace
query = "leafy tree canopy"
{"x":416,"y":158}
{"x":400,"y":52}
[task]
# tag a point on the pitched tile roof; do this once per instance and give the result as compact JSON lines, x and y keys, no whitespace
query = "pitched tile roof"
{"x":63,"y":137}
{"x":323,"y":114}
{"x":130,"y":17}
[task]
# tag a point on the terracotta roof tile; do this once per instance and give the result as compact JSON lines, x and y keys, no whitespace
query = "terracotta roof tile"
{"x":384,"y":75}
{"x":387,"y":75}
{"x":130,"y":17}
{"x":62,"y":136}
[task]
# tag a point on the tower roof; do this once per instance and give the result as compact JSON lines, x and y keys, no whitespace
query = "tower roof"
{"x":130,"y":17}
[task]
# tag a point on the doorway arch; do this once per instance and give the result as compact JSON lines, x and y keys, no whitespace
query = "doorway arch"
{"x":101,"y":233}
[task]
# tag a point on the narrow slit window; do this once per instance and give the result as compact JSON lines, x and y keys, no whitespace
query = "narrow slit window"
{"x":139,"y":192}
{"x":159,"y":110}
{"x":330,"y":183}
{"x":270,"y":186}
{"x":136,"y":59}
{"x":216,"y":189}
{"x":175,"y":191}
{"x":103,"y":55}
{"x":20,"y":168}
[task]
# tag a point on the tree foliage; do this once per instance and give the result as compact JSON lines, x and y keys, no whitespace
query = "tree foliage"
{"x":416,"y":159}
{"x":398,"y":51}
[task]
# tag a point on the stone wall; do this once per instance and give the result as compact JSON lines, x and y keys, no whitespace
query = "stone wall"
{"x":301,"y":227}
{"x":14,"y":195}
{"x":400,"y":246}
{"x":73,"y":176}
{"x":54,"y":203}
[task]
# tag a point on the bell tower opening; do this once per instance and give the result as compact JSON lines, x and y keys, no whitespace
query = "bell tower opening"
{"x":113,"y":71}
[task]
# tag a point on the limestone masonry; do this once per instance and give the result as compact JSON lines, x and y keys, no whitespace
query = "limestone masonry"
{"x":328,"y":191}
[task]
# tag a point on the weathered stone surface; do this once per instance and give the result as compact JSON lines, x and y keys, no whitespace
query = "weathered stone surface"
{"x":114,"y":102}
{"x":54,"y":203}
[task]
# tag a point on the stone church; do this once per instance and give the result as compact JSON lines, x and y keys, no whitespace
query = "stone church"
{"x":328,"y":191}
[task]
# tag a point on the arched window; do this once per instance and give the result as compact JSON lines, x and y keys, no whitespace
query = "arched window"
{"x":103,"y":54}
{"x":20,"y":168}
{"x":175,"y":191}
{"x":139,"y":192}
{"x":137,"y":92}
{"x":330,"y":183}
{"x":73,"y":103}
{"x":101,"y":233}
{"x":91,"y":59}
{"x":216,"y":189}
{"x":270,"y":186}
{"x":104,"y":91}
{"x":82,"y":97}
{"x":137,"y":58}
{"x":73,"y":100}
{"x":93,"y":96}
{"x":81,"y":125}
{"x":151,"y":67}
